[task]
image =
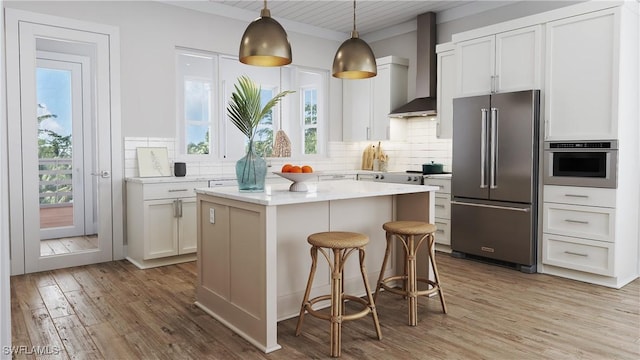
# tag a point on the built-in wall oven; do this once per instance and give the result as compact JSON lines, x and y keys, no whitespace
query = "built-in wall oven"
{"x":581,"y":163}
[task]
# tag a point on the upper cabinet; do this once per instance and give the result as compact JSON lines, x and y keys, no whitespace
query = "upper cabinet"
{"x":367,"y":103}
{"x":582,"y":57}
{"x":445,"y":89}
{"x":507,"y":61}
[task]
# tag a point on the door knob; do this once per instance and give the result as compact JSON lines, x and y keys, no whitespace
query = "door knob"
{"x":105,"y":174}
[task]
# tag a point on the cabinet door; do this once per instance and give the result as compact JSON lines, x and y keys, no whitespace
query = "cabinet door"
{"x":161,"y":238}
{"x":187,"y":227}
{"x":476,"y":65}
{"x":356,"y":109}
{"x":381,"y":104}
{"x":445,"y":92}
{"x":518,"y":59}
{"x":580,"y":76}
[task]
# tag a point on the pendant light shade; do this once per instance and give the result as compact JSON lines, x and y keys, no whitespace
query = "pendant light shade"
{"x":354,"y":58}
{"x":264,"y":42}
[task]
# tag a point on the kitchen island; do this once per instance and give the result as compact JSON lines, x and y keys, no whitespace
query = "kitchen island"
{"x":253,"y":257}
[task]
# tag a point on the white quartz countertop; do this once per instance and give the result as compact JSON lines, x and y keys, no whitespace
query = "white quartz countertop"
{"x":279,"y":194}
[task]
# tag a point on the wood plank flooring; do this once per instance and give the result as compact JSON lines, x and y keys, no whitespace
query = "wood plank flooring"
{"x":116,"y":311}
{"x":68,"y":245}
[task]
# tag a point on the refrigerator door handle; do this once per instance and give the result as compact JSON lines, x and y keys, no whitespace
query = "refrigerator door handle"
{"x":494,"y":148}
{"x":483,"y":149}
{"x":490,"y":206}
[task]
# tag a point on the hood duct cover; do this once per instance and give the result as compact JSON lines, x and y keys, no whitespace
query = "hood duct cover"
{"x":425,"y":102}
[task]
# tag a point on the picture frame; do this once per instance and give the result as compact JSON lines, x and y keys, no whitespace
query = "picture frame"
{"x":153,"y":161}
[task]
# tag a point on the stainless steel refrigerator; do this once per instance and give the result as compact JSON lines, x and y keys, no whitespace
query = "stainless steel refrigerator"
{"x":495,"y":177}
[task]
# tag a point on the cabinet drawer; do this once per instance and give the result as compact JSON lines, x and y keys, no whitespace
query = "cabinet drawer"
{"x":580,"y":221}
{"x":443,"y":206}
{"x":580,"y":195}
{"x":171,"y":190}
{"x":443,"y":234}
{"x":578,"y":254}
{"x":444,"y":185}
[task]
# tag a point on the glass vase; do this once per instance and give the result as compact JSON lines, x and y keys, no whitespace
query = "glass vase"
{"x":251,"y":171}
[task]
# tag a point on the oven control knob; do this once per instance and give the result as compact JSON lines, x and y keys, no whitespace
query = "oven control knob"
{"x":381,"y":177}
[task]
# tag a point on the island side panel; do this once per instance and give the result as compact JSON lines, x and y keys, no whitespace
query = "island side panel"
{"x":366,"y":216}
{"x":234,"y":267}
{"x":295,"y":223}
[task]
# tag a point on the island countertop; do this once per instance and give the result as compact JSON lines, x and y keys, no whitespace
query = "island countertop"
{"x":279,"y":194}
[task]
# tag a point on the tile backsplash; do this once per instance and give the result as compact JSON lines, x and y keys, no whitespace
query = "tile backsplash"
{"x":421,"y":146}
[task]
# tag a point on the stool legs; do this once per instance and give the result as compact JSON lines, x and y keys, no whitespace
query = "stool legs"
{"x":372,"y":305}
{"x":337,"y":297}
{"x":410,"y":279}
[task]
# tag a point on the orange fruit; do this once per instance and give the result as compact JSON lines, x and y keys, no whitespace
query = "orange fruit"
{"x":296,"y":169}
{"x":307,"y":169}
{"x":286,"y":168}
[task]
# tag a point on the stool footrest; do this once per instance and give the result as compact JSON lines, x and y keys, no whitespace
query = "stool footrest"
{"x":434,"y":289}
{"x":345,"y":317}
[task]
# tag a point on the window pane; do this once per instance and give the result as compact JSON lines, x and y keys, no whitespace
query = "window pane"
{"x":197,"y":139}
{"x":311,"y":141}
{"x":197,"y":100}
{"x":311,"y":107}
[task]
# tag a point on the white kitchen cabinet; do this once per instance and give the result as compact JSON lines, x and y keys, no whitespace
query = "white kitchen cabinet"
{"x":368,"y":102}
{"x":507,"y":61}
{"x":582,"y":62}
{"x":442,"y":210}
{"x":445,"y":89}
{"x":585,"y":238}
{"x":161,"y":222}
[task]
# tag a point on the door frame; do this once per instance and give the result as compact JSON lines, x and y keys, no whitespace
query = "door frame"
{"x":16,"y":206}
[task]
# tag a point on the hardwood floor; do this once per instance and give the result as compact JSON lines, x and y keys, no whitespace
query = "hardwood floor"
{"x":116,"y":311}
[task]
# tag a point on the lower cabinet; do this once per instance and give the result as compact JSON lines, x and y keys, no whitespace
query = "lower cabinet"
{"x":161,"y":222}
{"x":443,"y":210}
{"x":583,"y":239}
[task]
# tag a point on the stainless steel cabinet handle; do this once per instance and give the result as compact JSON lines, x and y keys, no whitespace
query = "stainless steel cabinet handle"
{"x":440,"y":231}
{"x":491,"y":206}
{"x":179,"y":208}
{"x":368,"y":133}
{"x":483,"y":149}
{"x":494,"y":146}
{"x":576,"y":221}
{"x":577,"y":196}
{"x":175,"y":208}
{"x":440,"y":206}
{"x":178,"y":190}
{"x":575,"y":253}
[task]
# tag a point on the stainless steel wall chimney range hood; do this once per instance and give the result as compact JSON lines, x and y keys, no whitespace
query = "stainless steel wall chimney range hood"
{"x":425,"y":102}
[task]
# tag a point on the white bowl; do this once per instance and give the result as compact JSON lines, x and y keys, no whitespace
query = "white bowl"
{"x":298,"y":180}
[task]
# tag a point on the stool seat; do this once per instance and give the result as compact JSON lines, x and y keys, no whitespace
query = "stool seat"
{"x":341,"y":244}
{"x":409,"y":227}
{"x":338,"y":240}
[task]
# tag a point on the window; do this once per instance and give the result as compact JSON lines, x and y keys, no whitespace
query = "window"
{"x":312,"y":85}
{"x":310,"y":123}
{"x":205,"y":82}
{"x":195,"y":85}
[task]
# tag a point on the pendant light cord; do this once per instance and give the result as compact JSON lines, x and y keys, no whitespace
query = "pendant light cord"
{"x":354,"y":15}
{"x":265,"y":4}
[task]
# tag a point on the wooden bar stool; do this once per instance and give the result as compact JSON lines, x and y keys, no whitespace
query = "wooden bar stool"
{"x":342,"y":244}
{"x":406,"y":231}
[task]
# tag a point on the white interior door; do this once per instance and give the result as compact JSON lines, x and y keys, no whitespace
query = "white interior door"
{"x":85,"y":59}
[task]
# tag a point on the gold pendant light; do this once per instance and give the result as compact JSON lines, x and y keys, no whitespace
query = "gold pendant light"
{"x":354,"y":58}
{"x":264,"y":42}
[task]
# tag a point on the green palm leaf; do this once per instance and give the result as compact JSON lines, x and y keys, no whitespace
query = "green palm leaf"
{"x":244,"y":107}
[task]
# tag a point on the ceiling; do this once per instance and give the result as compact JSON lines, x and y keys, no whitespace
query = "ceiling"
{"x":334,"y":19}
